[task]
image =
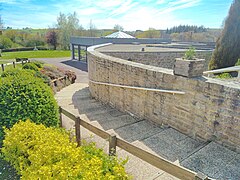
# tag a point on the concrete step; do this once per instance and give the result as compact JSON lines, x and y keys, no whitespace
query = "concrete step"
{"x":172,"y":144}
{"x":210,"y":159}
{"x":215,"y":161}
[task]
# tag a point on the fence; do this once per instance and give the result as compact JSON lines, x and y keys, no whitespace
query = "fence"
{"x":161,"y":163}
{"x":54,"y":82}
{"x":14,"y":64}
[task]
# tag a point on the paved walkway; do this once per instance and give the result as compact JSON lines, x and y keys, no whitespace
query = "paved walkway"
{"x":209,"y":158}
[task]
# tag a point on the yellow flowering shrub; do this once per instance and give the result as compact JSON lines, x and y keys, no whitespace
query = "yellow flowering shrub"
{"x":39,"y":152}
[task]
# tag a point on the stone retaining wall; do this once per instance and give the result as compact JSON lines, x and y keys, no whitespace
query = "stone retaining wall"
{"x":209,"y":110}
{"x":158,"y":59}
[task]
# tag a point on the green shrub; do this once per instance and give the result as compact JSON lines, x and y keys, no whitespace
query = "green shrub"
{"x":38,"y":74}
{"x":52,"y":71}
{"x":39,"y":64}
{"x":45,"y":78}
{"x":30,"y":66}
{"x":22,"y":96}
{"x":238,"y":62}
{"x":15,"y":72}
{"x":224,"y":76}
{"x":190,"y":53}
{"x":38,"y":152}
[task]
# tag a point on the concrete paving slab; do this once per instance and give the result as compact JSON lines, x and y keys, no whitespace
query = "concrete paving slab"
{"x":137,"y":131}
{"x":171,"y":144}
{"x":231,"y":170}
{"x":139,"y":169}
{"x":211,"y":160}
{"x":116,"y":113}
{"x":166,"y":176}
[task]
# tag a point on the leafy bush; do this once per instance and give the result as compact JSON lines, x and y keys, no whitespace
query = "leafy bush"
{"x":5,"y":42}
{"x":38,"y":152}
{"x":39,"y":64}
{"x":15,"y":72}
{"x":52,"y":71}
{"x":45,"y":78}
{"x":23,"y":97}
{"x":238,"y":62}
{"x":38,"y":74}
{"x":224,"y":76}
{"x":190,"y":53}
{"x":30,"y":66}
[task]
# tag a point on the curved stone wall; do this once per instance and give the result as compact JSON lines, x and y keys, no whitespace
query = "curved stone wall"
{"x":158,"y":59}
{"x":209,"y":109}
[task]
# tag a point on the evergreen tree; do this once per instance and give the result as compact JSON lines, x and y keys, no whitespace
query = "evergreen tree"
{"x":227,"y":49}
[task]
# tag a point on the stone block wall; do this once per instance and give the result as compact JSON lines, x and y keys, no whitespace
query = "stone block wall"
{"x":208,"y":110}
{"x":158,"y":59}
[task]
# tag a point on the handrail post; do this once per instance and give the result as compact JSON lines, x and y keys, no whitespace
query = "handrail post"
{"x":112,"y":144}
{"x":2,"y":67}
{"x":77,"y":131}
{"x":60,"y":114}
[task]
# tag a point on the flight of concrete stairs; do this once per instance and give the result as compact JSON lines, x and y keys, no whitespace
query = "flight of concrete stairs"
{"x":208,"y":158}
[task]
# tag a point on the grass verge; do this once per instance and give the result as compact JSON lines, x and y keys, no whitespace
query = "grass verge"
{"x":35,"y":54}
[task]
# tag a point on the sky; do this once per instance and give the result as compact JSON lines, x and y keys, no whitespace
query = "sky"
{"x":104,"y":14}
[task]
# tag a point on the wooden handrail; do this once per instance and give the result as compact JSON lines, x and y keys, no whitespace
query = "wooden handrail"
{"x":139,"y":88}
{"x":58,"y":79}
{"x":14,"y":64}
{"x":159,"y":162}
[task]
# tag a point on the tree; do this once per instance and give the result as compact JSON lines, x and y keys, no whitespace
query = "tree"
{"x":67,"y":26}
{"x":1,"y":25}
{"x":51,"y":38}
{"x":11,"y":34}
{"x":5,"y":42}
{"x":227,"y":49}
{"x":92,"y":29}
{"x":150,"y":33}
{"x":118,"y":27}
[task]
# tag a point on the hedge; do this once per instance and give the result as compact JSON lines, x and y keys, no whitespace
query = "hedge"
{"x":23,"y":96}
{"x":38,"y":152}
{"x":30,"y":66}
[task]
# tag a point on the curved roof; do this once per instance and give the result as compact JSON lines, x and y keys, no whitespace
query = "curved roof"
{"x":119,"y":34}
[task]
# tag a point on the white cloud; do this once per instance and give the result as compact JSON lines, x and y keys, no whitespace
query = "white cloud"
{"x":125,"y":7}
{"x":14,"y":1}
{"x":109,"y":3}
{"x":131,"y":14}
{"x":142,"y":18}
{"x":160,"y":1}
{"x":177,"y":5}
{"x":89,"y":11}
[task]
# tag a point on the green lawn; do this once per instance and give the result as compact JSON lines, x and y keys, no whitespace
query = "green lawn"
{"x":35,"y":54}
